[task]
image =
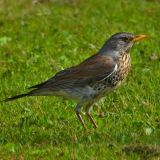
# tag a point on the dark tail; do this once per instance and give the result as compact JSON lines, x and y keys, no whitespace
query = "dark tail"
{"x":35,"y":92}
{"x":15,"y":97}
{"x":37,"y":86}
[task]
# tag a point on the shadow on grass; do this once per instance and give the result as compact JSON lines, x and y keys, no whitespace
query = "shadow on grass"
{"x":143,"y":150}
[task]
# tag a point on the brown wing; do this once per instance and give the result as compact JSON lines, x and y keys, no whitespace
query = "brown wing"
{"x":93,"y":69}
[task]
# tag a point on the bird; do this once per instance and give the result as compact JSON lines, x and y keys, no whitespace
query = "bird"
{"x":93,"y":78}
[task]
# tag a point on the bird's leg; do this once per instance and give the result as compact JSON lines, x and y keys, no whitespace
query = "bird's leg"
{"x":78,"y":111}
{"x":88,"y":110}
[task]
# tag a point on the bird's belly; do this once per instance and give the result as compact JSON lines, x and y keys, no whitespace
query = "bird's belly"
{"x":78,"y":93}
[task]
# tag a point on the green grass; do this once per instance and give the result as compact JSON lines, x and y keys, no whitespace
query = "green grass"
{"x":37,"y":40}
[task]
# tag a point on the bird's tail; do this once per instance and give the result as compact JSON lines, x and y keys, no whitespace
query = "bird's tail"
{"x":35,"y":92}
{"x":15,"y":97}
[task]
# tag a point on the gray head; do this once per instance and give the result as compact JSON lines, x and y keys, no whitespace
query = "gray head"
{"x":120,"y":43}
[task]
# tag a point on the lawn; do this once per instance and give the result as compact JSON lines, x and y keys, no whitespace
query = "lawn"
{"x":39,"y":39}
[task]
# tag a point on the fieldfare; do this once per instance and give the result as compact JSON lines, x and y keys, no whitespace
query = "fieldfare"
{"x":93,"y":78}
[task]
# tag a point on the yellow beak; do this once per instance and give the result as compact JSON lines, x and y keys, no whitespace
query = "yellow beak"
{"x":139,"y":38}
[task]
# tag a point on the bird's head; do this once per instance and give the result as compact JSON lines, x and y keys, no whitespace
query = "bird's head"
{"x":121,"y":43}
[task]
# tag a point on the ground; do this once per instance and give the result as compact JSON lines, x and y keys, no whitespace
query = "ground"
{"x":38,"y":39}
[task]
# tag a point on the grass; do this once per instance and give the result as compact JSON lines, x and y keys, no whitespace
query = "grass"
{"x":39,"y":39}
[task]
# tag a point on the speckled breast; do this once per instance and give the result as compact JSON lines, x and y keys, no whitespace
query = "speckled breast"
{"x":124,"y":64}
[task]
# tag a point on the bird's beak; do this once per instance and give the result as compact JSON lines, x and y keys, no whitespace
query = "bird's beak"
{"x":139,"y":38}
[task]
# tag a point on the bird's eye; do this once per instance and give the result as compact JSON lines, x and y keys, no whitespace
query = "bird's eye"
{"x":125,"y":39}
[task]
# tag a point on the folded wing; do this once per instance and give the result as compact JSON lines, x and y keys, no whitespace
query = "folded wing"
{"x":96,"y":68}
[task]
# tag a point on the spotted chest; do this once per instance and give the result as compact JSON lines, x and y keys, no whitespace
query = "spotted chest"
{"x":123,"y":66}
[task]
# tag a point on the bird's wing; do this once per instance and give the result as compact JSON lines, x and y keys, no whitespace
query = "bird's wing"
{"x":94,"y":69}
